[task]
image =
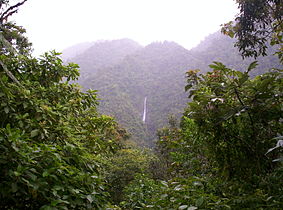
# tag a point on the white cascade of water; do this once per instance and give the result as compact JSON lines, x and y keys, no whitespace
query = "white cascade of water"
{"x":144,"y":110}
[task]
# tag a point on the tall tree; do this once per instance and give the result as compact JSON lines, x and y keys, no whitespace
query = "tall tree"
{"x":258,"y":23}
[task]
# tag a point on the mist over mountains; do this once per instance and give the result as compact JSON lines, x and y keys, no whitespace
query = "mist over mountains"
{"x":124,"y":73}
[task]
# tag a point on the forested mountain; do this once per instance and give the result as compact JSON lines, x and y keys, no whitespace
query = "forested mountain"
{"x":124,"y":73}
{"x":155,"y":71}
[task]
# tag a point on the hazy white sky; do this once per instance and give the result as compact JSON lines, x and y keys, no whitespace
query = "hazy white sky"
{"x":57,"y":24}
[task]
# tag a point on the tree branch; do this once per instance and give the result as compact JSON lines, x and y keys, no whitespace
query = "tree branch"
{"x":10,"y":11}
{"x":238,"y":96}
{"x":7,"y":44}
{"x":11,"y":75}
{"x":5,"y":18}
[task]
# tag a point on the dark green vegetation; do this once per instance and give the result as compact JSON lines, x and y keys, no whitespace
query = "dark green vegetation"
{"x":58,"y":152}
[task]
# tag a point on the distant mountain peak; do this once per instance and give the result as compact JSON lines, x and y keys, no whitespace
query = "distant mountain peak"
{"x":75,"y":50}
{"x":164,"y":44}
{"x":101,"y":54}
{"x":83,"y":48}
{"x":123,"y":41}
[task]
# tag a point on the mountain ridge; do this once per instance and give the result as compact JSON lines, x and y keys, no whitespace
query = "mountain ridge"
{"x":124,"y":73}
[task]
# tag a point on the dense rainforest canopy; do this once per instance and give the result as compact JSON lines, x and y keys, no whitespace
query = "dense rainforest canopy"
{"x":221,"y":148}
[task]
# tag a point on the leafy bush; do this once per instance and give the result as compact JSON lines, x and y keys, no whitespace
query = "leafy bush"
{"x":122,"y":167}
{"x":207,"y":192}
{"x":52,"y":138}
{"x":238,"y":116}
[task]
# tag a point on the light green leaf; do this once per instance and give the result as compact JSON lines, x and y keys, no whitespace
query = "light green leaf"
{"x":199,"y":201}
{"x":45,"y":173}
{"x":34,"y":133}
{"x":16,"y":173}
{"x":89,"y":198}
{"x":164,"y":183}
{"x":178,"y":188}
{"x":6,"y":110}
{"x":183,"y":207}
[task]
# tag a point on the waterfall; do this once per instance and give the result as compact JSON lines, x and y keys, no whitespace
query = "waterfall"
{"x":144,"y":110}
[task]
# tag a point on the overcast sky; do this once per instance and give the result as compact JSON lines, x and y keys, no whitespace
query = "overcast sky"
{"x":58,"y":24}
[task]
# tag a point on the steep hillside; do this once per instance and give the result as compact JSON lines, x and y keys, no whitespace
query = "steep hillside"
{"x":218,"y":47}
{"x":124,"y":73}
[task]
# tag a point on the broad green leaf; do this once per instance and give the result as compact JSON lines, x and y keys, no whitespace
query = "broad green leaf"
{"x":89,"y":198}
{"x":34,"y":133}
{"x":164,"y":183}
{"x":183,"y":207}
{"x":6,"y":110}
{"x":217,"y":66}
{"x":16,"y":173}
{"x":252,"y":66}
{"x":45,"y":173}
{"x":199,"y":201}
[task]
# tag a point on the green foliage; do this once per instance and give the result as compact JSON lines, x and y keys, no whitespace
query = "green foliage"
{"x":258,"y":22}
{"x":195,"y":192}
{"x":140,"y":191}
{"x":223,"y":138}
{"x":122,"y":167}
{"x":181,"y":149}
{"x":237,"y":115}
{"x":177,"y":193}
{"x":52,"y":138}
{"x":46,"y":176}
